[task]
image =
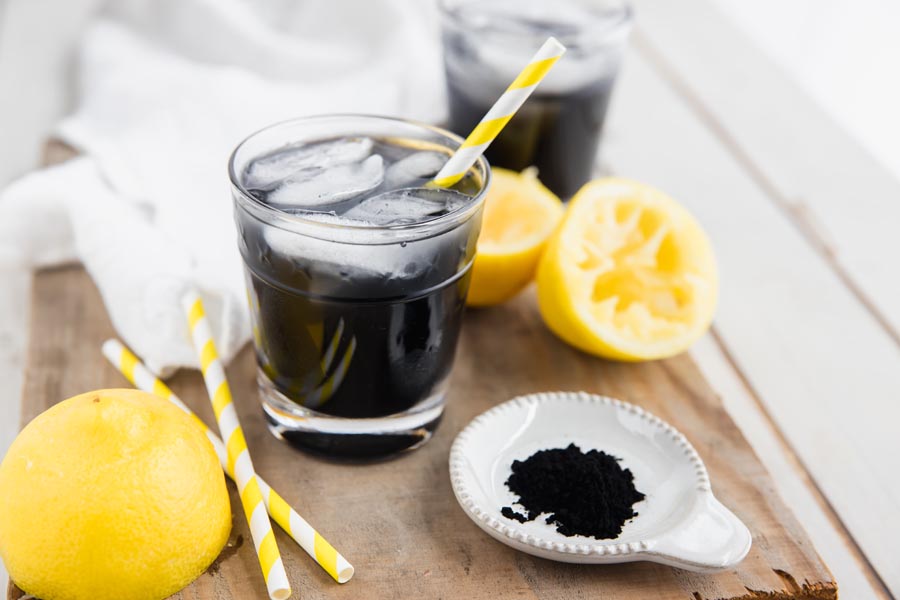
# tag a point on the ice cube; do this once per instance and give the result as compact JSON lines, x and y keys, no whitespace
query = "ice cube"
{"x":329,"y":259}
{"x":418,"y":166}
{"x":332,"y":219}
{"x":270,"y":170}
{"x":406,"y":206}
{"x":316,"y":187}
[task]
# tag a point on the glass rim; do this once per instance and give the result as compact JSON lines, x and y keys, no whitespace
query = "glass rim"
{"x":460,"y":214}
{"x":606,"y":29}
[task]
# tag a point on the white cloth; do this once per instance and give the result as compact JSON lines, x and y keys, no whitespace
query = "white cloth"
{"x":166,"y":89}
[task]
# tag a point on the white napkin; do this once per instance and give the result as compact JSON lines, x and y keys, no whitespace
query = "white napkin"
{"x":167,"y":88}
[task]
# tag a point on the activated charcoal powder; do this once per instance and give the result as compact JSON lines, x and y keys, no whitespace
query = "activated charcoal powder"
{"x":582,"y":493}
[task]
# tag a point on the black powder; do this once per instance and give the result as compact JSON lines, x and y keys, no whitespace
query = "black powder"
{"x":583,"y":493}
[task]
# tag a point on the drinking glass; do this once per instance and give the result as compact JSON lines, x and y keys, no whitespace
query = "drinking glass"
{"x":558,"y":128}
{"x":355,"y":326}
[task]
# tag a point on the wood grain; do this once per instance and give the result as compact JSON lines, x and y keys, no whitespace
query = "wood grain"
{"x":792,"y":481}
{"x":841,"y":198}
{"x":821,"y":363}
{"x":397,"y":520}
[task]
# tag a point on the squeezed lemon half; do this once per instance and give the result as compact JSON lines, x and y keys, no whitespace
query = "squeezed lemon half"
{"x":519,"y":216}
{"x":629,"y":274}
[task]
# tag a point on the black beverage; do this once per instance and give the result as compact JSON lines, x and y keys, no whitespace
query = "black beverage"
{"x":558,"y":128}
{"x":357,"y":294}
{"x":558,"y":134}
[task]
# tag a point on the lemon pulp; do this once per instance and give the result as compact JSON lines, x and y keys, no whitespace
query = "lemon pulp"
{"x":630,"y":274}
{"x":519,"y":215}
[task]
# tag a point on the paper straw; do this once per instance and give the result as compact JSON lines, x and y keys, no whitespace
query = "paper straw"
{"x":236,"y":445}
{"x":296,"y":526}
{"x":500,"y":114}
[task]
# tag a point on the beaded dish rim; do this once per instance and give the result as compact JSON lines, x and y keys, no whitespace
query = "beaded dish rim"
{"x":601,"y":548}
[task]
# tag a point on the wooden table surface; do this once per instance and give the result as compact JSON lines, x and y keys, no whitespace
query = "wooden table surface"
{"x":397,"y":521}
{"x":805,"y":350}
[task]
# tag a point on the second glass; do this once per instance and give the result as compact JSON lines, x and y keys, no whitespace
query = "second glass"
{"x":357,"y":276}
{"x":558,"y":129}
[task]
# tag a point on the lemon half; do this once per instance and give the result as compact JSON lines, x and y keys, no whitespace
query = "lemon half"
{"x":629,"y":274}
{"x":520,"y":214}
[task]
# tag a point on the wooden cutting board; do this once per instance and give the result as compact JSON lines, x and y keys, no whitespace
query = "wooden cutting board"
{"x":397,"y":521}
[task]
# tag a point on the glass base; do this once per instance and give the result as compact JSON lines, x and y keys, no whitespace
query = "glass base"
{"x":340,"y":437}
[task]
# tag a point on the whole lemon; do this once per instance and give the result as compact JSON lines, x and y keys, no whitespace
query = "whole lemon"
{"x":112,"y":494}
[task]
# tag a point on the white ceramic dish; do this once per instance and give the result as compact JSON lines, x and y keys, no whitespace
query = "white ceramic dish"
{"x":679,"y":523}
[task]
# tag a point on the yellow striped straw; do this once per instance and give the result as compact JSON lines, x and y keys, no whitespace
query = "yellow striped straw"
{"x":500,"y":113}
{"x":296,"y":526}
{"x":236,"y":445}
